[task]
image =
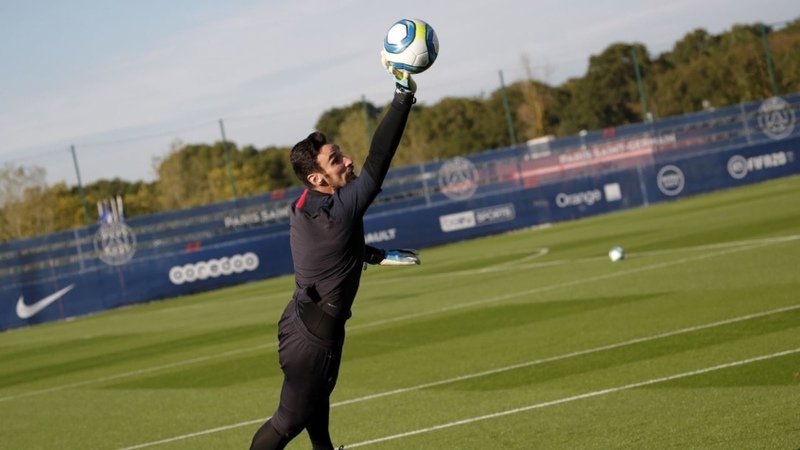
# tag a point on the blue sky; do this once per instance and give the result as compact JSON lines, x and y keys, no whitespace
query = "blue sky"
{"x":122,"y":81}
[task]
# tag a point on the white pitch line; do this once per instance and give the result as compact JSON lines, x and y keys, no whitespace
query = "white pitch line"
{"x":745,"y":245}
{"x":199,"y":433}
{"x":574,"y":398}
{"x":573,"y":354}
{"x":560,"y":286}
{"x":491,"y":372}
{"x":507,"y":266}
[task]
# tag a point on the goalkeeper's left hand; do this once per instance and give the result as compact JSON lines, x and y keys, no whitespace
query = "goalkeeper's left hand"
{"x":402,"y":79}
{"x":400,"y":257}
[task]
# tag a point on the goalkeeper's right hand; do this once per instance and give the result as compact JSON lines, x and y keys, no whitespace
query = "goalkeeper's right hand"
{"x":402,"y":79}
{"x":400,"y":257}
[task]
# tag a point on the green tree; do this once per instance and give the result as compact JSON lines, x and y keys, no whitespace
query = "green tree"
{"x":193,"y":175}
{"x":353,"y":138}
{"x":535,"y":112}
{"x":330,"y":122}
{"x":66,"y":205}
{"x":784,"y":47}
{"x":260,"y":171}
{"x":695,"y":45}
{"x":27,"y":207}
{"x":109,"y":189}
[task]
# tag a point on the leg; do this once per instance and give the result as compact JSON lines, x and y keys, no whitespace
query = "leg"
{"x":307,"y":384}
{"x":318,"y":427}
{"x":268,"y":438}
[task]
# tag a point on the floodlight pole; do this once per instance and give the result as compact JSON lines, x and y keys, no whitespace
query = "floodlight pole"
{"x":639,"y":83}
{"x":227,"y":159}
{"x":80,"y":186}
{"x":769,"y":59}
{"x":508,"y":112}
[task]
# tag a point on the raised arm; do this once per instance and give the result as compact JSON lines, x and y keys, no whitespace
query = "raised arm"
{"x":387,"y":136}
{"x":390,"y":130}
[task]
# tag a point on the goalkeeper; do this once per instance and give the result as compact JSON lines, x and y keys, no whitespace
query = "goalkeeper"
{"x":328,"y":251}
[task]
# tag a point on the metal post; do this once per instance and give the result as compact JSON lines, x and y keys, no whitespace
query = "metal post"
{"x":744,"y":123}
{"x":80,"y":186}
{"x":508,"y":112}
{"x":642,"y":186}
{"x":425,"y":185}
{"x":639,"y":83}
{"x":227,"y":159}
{"x":769,"y":60}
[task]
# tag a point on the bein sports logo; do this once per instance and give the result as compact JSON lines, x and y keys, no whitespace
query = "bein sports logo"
{"x":213,"y":268}
{"x":776,"y":118}
{"x":477,"y":217}
{"x":739,"y":166}
{"x":670,"y":180}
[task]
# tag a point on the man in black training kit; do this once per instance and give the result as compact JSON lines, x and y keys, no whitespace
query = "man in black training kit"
{"x":328,"y":251}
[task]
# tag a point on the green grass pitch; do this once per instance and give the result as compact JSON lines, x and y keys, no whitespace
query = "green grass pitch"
{"x":527,"y":340}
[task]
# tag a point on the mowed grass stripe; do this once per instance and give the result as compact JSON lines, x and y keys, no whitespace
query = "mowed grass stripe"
{"x":161,"y":347}
{"x":577,"y":397}
{"x":215,"y":337}
{"x":562,"y":365}
{"x":576,"y":282}
{"x":710,"y":338}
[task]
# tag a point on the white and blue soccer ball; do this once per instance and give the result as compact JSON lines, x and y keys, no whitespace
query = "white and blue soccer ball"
{"x":411,"y":45}
{"x":616,"y":254}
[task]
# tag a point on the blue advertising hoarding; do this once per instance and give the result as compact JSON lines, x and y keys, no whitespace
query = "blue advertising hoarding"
{"x":96,"y":268}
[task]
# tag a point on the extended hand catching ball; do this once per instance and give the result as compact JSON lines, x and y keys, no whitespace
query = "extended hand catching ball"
{"x":411,"y":45}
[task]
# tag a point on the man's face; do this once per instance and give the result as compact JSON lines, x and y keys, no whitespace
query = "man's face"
{"x":337,"y":169}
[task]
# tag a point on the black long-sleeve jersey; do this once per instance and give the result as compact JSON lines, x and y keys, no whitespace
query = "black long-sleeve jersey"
{"x":327,"y":231}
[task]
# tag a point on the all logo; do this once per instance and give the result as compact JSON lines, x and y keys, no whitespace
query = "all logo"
{"x":588,"y":198}
{"x":776,"y":118}
{"x":25,"y":311}
{"x":477,"y":217}
{"x":670,"y":180}
{"x":380,"y":236}
{"x":739,"y":166}
{"x":213,"y":268}
{"x":115,"y":243}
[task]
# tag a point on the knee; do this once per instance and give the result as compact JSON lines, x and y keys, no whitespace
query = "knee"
{"x":288,"y":422}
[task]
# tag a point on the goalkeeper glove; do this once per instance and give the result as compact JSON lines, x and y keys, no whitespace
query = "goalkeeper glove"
{"x":402,"y":79}
{"x":400,"y":257}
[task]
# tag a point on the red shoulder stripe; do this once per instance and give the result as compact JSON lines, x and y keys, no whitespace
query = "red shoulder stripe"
{"x":302,"y":200}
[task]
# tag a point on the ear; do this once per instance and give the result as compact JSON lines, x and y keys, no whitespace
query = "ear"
{"x":317,"y":179}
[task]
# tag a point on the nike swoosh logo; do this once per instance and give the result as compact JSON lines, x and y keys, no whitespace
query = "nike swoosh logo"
{"x":27,"y":311}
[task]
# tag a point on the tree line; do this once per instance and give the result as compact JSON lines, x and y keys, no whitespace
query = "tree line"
{"x":622,"y":85}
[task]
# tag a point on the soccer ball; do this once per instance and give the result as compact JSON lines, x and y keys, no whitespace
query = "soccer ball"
{"x":616,"y":253}
{"x":411,"y":45}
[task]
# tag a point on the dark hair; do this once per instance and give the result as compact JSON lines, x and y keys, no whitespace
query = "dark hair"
{"x":304,"y":156}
